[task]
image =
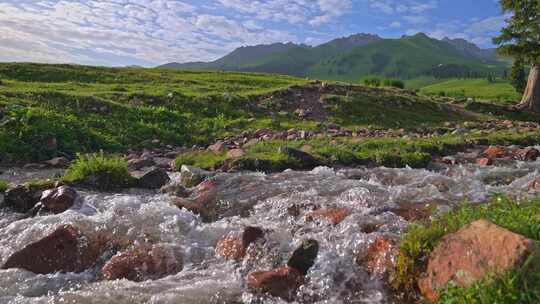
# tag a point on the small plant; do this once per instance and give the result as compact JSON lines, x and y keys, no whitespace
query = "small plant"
{"x":99,"y":171}
{"x":394,"y":83}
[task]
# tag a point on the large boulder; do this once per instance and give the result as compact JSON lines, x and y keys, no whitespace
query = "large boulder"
{"x":154,"y":179}
{"x":64,"y":250}
{"x":470,"y":254}
{"x":234,"y":247}
{"x":22,"y":198}
{"x":203,"y":201}
{"x":142,"y":263}
{"x":58,"y":200}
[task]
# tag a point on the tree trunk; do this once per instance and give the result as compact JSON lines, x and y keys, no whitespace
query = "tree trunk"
{"x":531,"y":97}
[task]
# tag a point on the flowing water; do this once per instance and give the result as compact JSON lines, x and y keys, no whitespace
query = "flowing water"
{"x":250,"y":199}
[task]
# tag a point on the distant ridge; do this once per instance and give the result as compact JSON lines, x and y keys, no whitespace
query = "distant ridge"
{"x":351,"y":57}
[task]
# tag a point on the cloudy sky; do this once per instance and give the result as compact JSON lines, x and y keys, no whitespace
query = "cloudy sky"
{"x":152,"y":32}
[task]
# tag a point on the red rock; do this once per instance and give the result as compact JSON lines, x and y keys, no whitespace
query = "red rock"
{"x":380,"y":255}
{"x":216,"y":148}
{"x":494,"y":152}
{"x":234,"y":247}
{"x":203,"y":200}
{"x":143,"y":263}
{"x":59,"y":199}
{"x":282,"y":282}
{"x":484,"y":162}
{"x":64,"y":250}
{"x":236,"y":153}
{"x":470,"y":254}
{"x":332,"y":215}
{"x":527,"y":154}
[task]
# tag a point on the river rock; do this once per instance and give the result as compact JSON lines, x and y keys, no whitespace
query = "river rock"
{"x":175,"y":189}
{"x":303,"y":258}
{"x":154,"y":179}
{"x":333,"y":215}
{"x":236,"y":153}
{"x":305,"y":159}
{"x":64,"y":250}
{"x":58,"y":200}
{"x":203,"y":201}
{"x":380,"y":256}
{"x":192,"y":176}
{"x":142,"y":263}
{"x":234,"y":247}
{"x":22,"y":198}
{"x":527,"y":154}
{"x":282,"y":282}
{"x":58,"y":162}
{"x":535,"y":184}
{"x":414,"y":211}
{"x":494,"y":152}
{"x":484,"y":161}
{"x":217,"y":148}
{"x":489,"y":249}
{"x":139,"y":163}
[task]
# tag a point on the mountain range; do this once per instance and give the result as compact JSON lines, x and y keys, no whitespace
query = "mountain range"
{"x":359,"y":55}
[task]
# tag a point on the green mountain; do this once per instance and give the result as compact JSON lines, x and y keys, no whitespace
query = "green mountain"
{"x":353,"y":57}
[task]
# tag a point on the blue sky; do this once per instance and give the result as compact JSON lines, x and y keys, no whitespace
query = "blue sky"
{"x":152,"y":32}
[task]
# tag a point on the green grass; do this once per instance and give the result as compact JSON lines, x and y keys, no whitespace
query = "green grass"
{"x":480,"y":89}
{"x":390,"y":152}
{"x":99,"y":171}
{"x":421,"y":238}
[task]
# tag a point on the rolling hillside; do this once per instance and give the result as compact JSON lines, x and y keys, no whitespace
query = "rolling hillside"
{"x":359,"y":55}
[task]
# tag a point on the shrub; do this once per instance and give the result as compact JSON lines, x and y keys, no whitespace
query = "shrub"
{"x":372,"y":82}
{"x":99,"y":171}
{"x":395,"y":83}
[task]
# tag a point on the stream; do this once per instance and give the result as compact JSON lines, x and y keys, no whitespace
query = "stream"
{"x":249,"y":199}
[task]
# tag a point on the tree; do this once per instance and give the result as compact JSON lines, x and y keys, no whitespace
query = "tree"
{"x":520,"y":38}
{"x":517,"y":75}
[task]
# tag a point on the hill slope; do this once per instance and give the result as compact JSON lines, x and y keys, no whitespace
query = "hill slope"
{"x":358,"y":55}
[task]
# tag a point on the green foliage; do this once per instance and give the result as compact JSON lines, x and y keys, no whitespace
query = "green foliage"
{"x":421,"y":238}
{"x":4,"y":185}
{"x":372,"y":81}
{"x":518,"y":78}
{"x":520,"y":37}
{"x":395,"y":83}
{"x":99,"y":170}
{"x":202,"y":159}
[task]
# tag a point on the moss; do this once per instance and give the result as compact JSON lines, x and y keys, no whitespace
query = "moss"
{"x":421,"y":238}
{"x":100,"y":171}
{"x":203,"y":159}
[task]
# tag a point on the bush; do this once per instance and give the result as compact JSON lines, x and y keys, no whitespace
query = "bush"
{"x":372,"y":82}
{"x":395,"y":83}
{"x":99,"y":171}
{"x":513,"y":287}
{"x":3,"y":186}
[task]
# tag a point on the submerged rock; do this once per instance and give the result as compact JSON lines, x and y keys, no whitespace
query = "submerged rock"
{"x":144,"y":263}
{"x":303,"y":258}
{"x":154,"y":179}
{"x":489,"y":249}
{"x":282,"y":282}
{"x":59,"y":199}
{"x":333,"y":215}
{"x":380,"y":256}
{"x":64,"y":250}
{"x":234,"y":247}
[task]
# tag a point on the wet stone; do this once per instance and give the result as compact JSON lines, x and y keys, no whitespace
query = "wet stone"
{"x":154,"y":179}
{"x":59,"y":199}
{"x":332,"y":215}
{"x":234,"y":247}
{"x":64,"y":250}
